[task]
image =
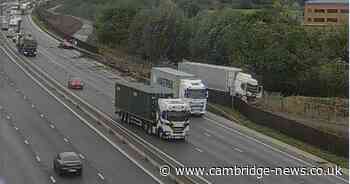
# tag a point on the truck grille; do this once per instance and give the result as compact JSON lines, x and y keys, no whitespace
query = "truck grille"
{"x":197,"y":107}
{"x":178,"y":130}
{"x":252,"y":88}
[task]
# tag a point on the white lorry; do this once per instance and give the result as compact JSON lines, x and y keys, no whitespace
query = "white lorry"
{"x":152,"y":108}
{"x":183,"y":85}
{"x":4,"y":23}
{"x":14,"y":21}
{"x":226,"y":79}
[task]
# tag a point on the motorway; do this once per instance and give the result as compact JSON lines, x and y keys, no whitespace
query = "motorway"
{"x":34,"y":127}
{"x":212,"y":141}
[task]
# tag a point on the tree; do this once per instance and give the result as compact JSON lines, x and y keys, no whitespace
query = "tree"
{"x":113,"y":23}
{"x":190,"y":8}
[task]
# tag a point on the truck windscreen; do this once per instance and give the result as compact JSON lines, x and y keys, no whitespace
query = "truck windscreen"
{"x":196,"y":93}
{"x":177,"y":116}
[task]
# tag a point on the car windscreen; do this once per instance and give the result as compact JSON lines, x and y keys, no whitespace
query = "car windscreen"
{"x":70,"y":158}
{"x":196,"y":93}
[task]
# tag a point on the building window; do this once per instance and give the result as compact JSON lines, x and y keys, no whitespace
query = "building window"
{"x":332,"y":11}
{"x":318,"y":19}
{"x":344,"y":11}
{"x":332,"y":20}
{"x":309,"y":19}
{"x":309,"y":10}
{"x":319,"y":11}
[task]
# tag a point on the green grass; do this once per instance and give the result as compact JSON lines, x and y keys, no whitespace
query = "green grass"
{"x":39,"y":23}
{"x":232,"y":114}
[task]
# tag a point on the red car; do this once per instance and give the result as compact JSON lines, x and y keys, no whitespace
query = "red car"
{"x":66,"y":44}
{"x":75,"y":83}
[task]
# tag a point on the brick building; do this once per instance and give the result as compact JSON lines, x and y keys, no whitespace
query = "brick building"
{"x":326,"y":12}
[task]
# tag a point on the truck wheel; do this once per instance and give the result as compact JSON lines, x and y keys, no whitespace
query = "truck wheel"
{"x":160,"y":133}
{"x":127,"y":118}
{"x":59,"y":172}
{"x":149,"y":130}
{"x":121,"y":115}
{"x":144,"y":126}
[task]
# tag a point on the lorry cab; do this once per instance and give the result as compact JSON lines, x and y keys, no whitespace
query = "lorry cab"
{"x":172,"y":118}
{"x":183,"y":85}
{"x":195,"y":93}
{"x":246,"y":85}
{"x":27,"y":45}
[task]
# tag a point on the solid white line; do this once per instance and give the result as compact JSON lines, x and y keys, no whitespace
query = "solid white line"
{"x":268,"y":146}
{"x":83,"y":120}
{"x":81,"y":156}
{"x":101,"y":176}
{"x":206,"y":134}
{"x":52,"y":179}
{"x":37,"y":158}
{"x":237,"y":149}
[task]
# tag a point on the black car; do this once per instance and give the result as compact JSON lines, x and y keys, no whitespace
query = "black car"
{"x":68,"y":163}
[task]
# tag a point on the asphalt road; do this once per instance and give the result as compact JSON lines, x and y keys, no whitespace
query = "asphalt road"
{"x":208,"y":144}
{"x":49,"y":128}
{"x":16,"y":158}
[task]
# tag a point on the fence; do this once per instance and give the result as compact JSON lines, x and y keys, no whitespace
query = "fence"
{"x":324,"y":110}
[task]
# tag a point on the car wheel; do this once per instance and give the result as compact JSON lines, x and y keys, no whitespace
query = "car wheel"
{"x":80,"y":172}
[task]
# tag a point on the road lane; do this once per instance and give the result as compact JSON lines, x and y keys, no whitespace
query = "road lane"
{"x":17,"y":162}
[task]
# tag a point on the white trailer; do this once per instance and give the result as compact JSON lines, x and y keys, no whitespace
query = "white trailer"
{"x":223,"y":78}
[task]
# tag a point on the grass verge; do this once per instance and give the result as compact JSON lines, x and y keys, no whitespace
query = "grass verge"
{"x":39,"y":22}
{"x":240,"y":119}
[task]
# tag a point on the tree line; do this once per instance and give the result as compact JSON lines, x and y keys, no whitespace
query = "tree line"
{"x":271,"y":42}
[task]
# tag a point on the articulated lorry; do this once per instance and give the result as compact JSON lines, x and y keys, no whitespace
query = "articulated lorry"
{"x":26,"y":44}
{"x":226,"y":79}
{"x":183,"y":85}
{"x":153,"y":109}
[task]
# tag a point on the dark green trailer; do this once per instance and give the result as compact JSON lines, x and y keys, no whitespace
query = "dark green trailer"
{"x":138,"y":101}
